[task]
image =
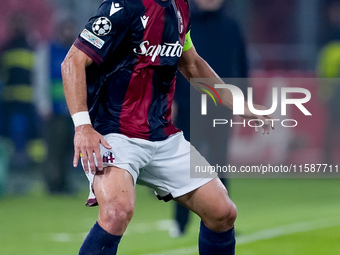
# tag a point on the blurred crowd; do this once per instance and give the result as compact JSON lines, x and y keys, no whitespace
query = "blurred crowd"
{"x":36,"y":132}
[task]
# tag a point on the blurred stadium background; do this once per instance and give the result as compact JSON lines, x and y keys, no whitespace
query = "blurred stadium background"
{"x":43,"y":213}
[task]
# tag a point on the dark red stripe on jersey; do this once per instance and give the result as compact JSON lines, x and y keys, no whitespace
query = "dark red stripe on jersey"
{"x":88,"y":51}
{"x":174,"y":24}
{"x":136,"y":104}
{"x":141,"y":83}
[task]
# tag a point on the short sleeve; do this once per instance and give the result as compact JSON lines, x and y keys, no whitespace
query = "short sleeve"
{"x":188,"y":42}
{"x":105,"y":31}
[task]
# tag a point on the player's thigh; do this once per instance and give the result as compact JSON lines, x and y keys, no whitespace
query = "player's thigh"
{"x":212,"y":203}
{"x":115,"y":193}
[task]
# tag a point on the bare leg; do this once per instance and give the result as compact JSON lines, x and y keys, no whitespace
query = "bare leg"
{"x":115,"y":194}
{"x":212,"y":203}
{"x":218,"y":214}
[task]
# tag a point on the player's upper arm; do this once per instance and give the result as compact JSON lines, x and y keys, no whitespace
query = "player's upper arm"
{"x":75,"y":57}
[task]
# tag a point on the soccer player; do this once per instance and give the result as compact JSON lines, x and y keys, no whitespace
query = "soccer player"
{"x":119,"y":81}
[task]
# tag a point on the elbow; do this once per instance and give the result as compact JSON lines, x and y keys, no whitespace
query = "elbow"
{"x":185,"y":71}
{"x":75,"y":61}
{"x":192,"y":69}
{"x":188,"y":72}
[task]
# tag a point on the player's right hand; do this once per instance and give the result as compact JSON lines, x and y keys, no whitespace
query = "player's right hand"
{"x":267,"y":124}
{"x":87,"y":146}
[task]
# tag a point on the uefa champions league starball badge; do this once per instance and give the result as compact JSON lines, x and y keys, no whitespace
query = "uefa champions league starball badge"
{"x":102,"y":26}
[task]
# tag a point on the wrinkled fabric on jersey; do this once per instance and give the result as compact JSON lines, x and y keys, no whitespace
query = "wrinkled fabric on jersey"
{"x":135,"y":46}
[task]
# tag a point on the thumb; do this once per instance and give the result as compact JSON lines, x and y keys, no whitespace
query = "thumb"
{"x":105,"y":143}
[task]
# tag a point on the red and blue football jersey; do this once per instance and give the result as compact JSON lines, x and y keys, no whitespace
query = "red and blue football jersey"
{"x":136,"y":46}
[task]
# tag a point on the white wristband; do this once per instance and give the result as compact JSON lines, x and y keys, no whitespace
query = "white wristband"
{"x":81,"y":118}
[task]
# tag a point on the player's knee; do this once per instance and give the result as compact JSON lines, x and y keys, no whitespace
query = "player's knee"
{"x":119,"y":212}
{"x":116,"y":216}
{"x":222,"y":217}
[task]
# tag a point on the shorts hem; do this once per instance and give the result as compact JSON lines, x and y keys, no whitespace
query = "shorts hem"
{"x":126,"y":167}
{"x":191,"y":187}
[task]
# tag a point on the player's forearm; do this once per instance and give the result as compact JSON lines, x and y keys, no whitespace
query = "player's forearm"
{"x":74,"y":82}
{"x":199,"y":68}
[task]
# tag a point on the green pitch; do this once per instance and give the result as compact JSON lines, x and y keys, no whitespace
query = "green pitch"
{"x":275,"y":216}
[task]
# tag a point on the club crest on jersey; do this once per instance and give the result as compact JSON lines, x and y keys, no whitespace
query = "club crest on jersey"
{"x":108,"y":157}
{"x":102,"y":26}
{"x":180,"y":22}
{"x":165,"y":50}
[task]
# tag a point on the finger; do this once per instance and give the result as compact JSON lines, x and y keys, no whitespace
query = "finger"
{"x":99,"y":159}
{"x":265,"y":127}
{"x":84,"y":158}
{"x":91,"y":161}
{"x":76,"y":158}
{"x":263,"y":121}
{"x":105,"y":143}
{"x":258,"y":123}
{"x":268,"y":128}
{"x":272,"y":122}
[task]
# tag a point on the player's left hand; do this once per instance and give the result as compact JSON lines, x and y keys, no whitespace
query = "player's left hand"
{"x":264,"y":122}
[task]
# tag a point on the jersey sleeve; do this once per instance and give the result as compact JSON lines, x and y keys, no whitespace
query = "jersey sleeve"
{"x":188,"y":42}
{"x":105,"y":31}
